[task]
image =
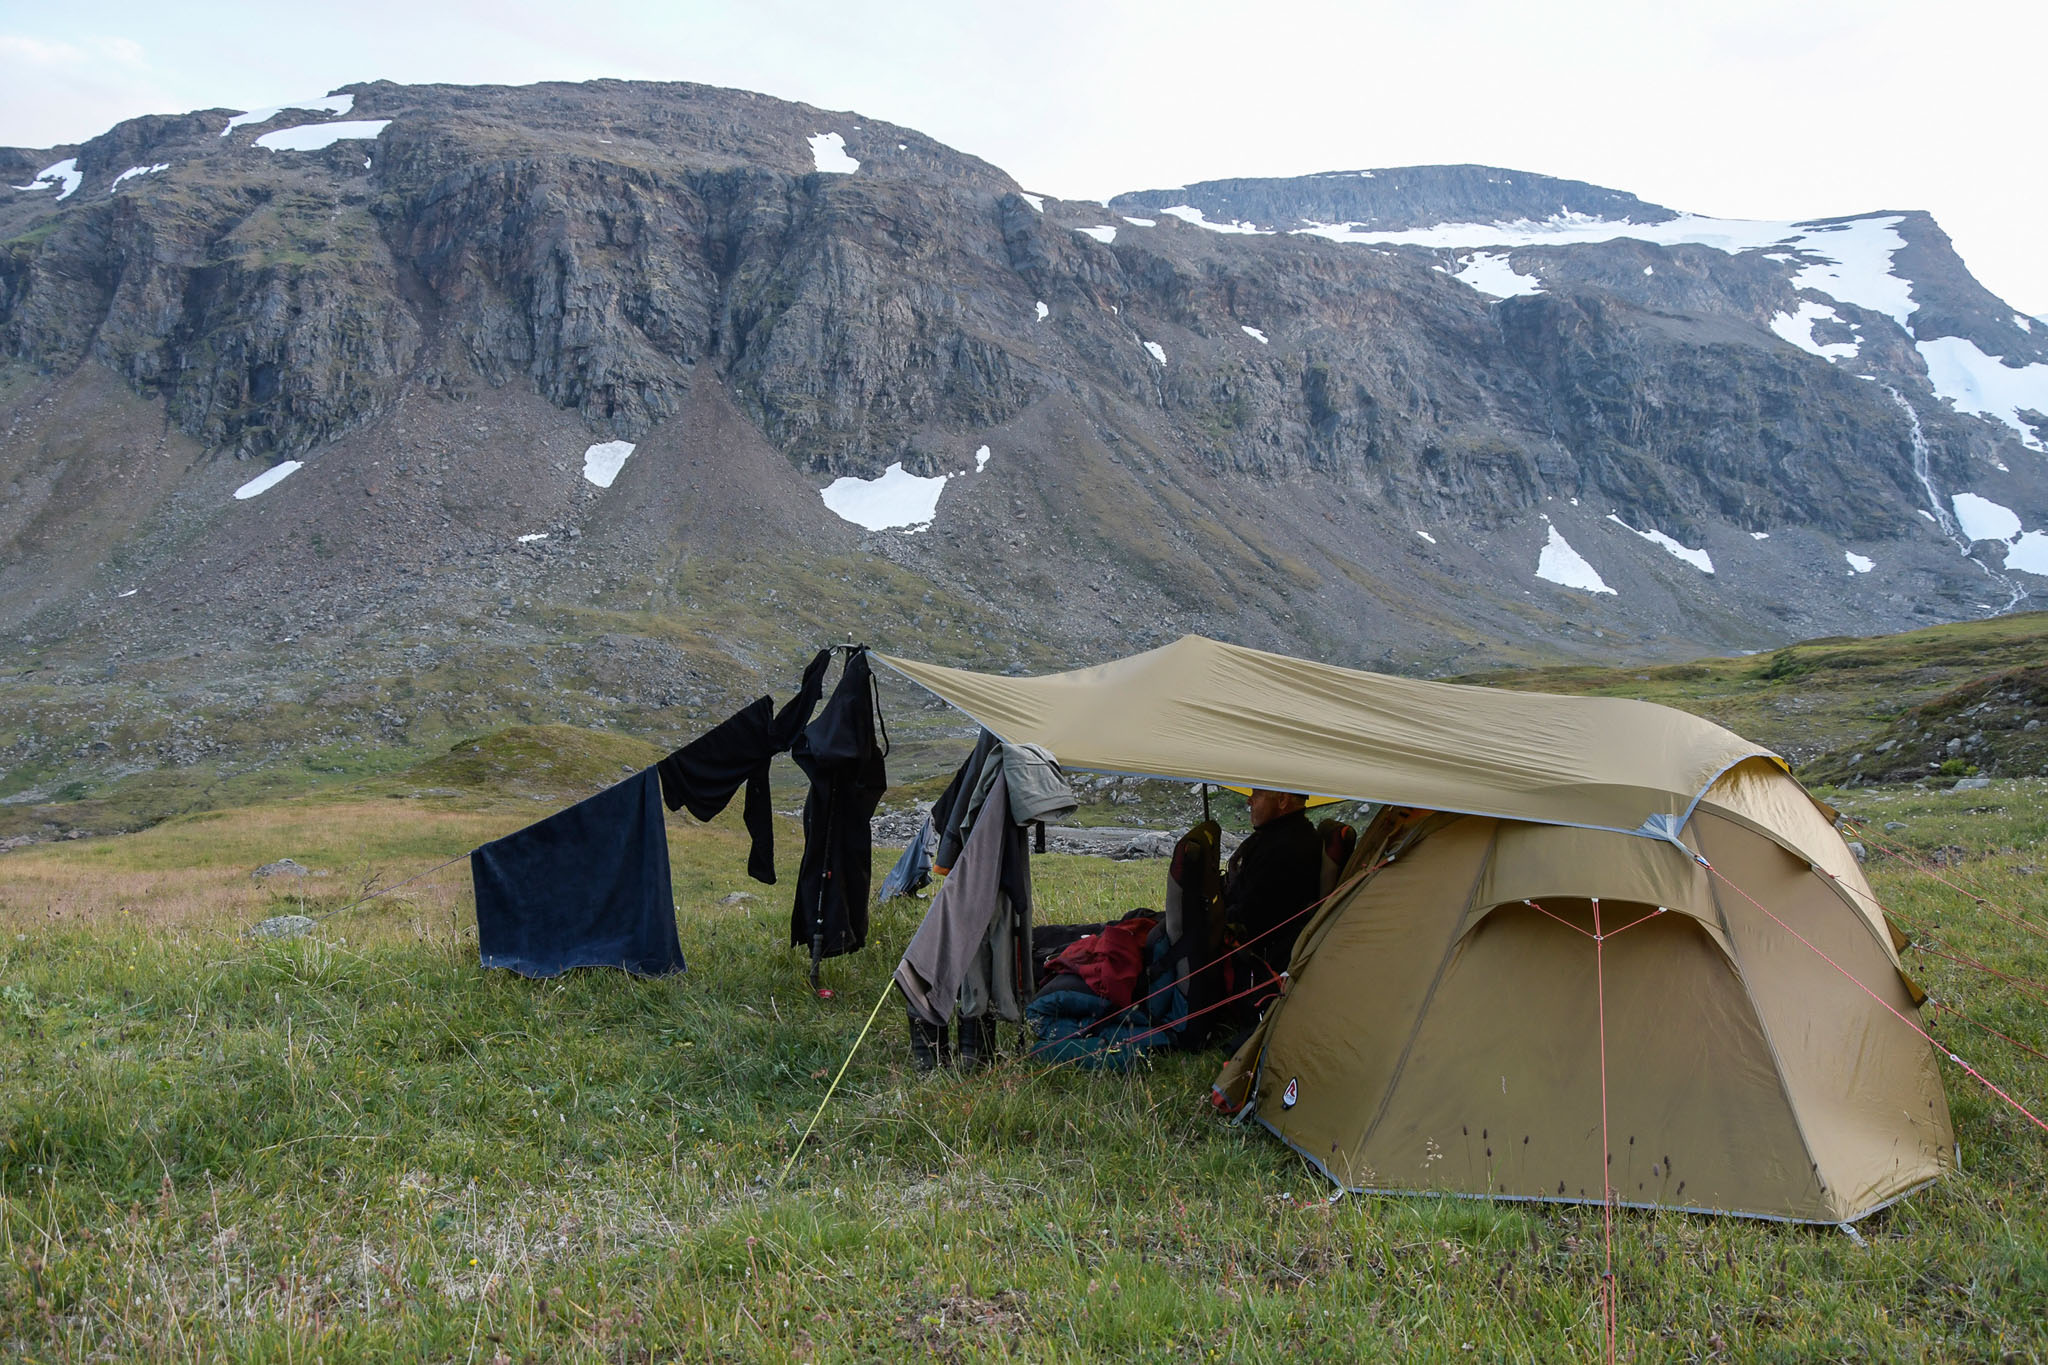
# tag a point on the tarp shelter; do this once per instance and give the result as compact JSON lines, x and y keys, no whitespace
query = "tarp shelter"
{"x":1443,"y":1026}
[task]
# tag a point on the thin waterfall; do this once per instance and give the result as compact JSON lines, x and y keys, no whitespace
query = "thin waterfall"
{"x":1923,"y":470}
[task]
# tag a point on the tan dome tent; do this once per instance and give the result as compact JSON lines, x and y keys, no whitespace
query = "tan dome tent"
{"x":1443,"y":1029}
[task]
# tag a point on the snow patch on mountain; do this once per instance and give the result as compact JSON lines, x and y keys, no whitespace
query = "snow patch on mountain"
{"x":1156,"y":351}
{"x":1985,"y":386}
{"x":1256,"y":335}
{"x":1559,"y":563}
{"x":1104,"y":233}
{"x":268,"y":479}
{"x":1043,"y":311}
{"x":134,"y":171}
{"x":1855,"y":266}
{"x":1857,"y":563}
{"x":981,"y":458}
{"x":1797,"y":328}
{"x":1141,"y":222}
{"x":1036,"y":201}
{"x":897,"y":501}
{"x":1699,"y":559}
{"x":65,"y":173}
{"x":603,"y":461}
{"x":1850,"y":262}
{"x":1188,"y":213}
{"x":828,"y":152}
{"x":311,"y":137}
{"x":2029,"y":554}
{"x":325,"y":104}
{"x":1983,"y":519}
{"x":1491,"y":273}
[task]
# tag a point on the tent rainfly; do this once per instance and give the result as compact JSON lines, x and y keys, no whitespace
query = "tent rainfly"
{"x":1566,"y":898}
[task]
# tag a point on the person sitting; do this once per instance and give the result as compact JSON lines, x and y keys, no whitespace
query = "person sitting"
{"x":1275,"y":875}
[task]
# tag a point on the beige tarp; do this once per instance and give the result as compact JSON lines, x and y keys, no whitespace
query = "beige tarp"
{"x":1202,"y":710}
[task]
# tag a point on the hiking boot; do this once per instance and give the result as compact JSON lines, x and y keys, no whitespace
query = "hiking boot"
{"x":928,"y":1045}
{"x":977,"y":1042}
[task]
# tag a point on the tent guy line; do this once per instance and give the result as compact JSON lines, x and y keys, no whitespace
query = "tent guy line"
{"x":888,"y":987}
{"x":1979,"y":1076}
{"x":1920,"y":865}
{"x":1607,"y":1284}
{"x":2004,"y":1038}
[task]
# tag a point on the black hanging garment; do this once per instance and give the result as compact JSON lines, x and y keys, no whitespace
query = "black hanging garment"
{"x":586,"y":887}
{"x":840,"y":754}
{"x":704,"y":773}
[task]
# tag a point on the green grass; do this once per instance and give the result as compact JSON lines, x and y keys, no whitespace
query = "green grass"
{"x":360,"y":1146}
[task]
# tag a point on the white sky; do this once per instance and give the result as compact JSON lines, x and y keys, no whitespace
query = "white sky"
{"x":1752,"y":108}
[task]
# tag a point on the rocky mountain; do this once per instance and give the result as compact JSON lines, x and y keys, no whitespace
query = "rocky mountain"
{"x":415,"y":408}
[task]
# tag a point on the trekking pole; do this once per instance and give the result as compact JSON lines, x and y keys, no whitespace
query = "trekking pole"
{"x":818,"y":910}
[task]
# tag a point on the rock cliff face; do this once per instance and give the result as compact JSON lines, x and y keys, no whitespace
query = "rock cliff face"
{"x":1398,"y":198}
{"x":1355,"y":414}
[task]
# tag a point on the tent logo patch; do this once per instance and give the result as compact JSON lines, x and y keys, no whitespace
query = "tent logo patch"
{"x":1291,"y":1093}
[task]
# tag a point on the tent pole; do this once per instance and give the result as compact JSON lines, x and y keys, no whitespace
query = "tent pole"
{"x":1205,"y":803}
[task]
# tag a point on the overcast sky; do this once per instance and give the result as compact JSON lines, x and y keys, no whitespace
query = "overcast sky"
{"x":1752,"y":109}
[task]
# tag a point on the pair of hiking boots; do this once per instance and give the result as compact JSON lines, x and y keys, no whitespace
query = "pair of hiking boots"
{"x":930,"y":1048}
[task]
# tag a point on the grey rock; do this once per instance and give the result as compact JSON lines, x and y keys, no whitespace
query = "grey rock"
{"x":1894,"y":825}
{"x":737,"y":898}
{"x":282,"y":926}
{"x":1857,"y":849}
{"x":283,"y":867}
{"x":1971,"y":784}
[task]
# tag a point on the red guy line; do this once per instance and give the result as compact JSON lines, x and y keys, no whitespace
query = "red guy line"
{"x":1978,"y":1075}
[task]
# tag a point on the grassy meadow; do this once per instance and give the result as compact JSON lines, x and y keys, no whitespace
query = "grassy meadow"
{"x":357,"y":1145}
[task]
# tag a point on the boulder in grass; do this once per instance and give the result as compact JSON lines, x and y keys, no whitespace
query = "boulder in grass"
{"x":282,"y":926}
{"x":283,"y":867}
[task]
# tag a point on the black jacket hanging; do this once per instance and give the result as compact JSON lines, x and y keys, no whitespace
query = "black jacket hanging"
{"x":840,"y":754}
{"x":704,"y":773}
